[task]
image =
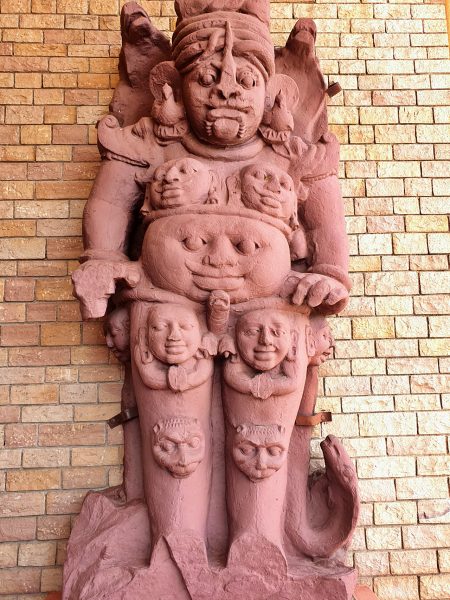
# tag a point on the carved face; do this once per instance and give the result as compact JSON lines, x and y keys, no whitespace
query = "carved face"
{"x":179,"y":182}
{"x":196,"y":254}
{"x":263,"y":338}
{"x":224,"y":99}
{"x":173,"y":333}
{"x":323,"y":342}
{"x":259,"y":451}
{"x":178,"y":445}
{"x":268,"y":189}
{"x":117,"y":334}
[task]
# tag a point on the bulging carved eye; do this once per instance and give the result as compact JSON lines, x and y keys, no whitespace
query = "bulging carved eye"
{"x":194,"y":442}
{"x":274,"y":450}
{"x":285,"y":184}
{"x":207,"y":78}
{"x":247,"y":247}
{"x":247,"y":80}
{"x":167,"y":446}
{"x":193,"y":243}
{"x":246,"y":450}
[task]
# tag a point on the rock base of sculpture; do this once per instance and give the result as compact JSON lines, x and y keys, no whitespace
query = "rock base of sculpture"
{"x":109,"y":550}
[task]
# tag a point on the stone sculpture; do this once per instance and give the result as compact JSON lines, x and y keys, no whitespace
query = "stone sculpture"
{"x":215,"y":244}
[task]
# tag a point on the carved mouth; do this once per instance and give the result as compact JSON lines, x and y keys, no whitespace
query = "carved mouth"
{"x":236,"y":114}
{"x":175,"y":347}
{"x":270,"y":201}
{"x":209,"y":283}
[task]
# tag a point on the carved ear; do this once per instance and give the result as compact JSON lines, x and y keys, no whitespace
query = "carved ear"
{"x":145,"y":354}
{"x":310,"y":342}
{"x":214,"y":188}
{"x":284,"y":84}
{"x":293,"y":349}
{"x":164,"y":73}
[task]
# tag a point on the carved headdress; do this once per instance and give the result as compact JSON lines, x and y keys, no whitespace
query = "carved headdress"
{"x":204,"y":27}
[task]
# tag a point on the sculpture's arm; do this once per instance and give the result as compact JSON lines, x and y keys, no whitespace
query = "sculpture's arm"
{"x":322,"y":215}
{"x":153,"y":372}
{"x":108,"y":214}
{"x":180,"y":379}
{"x":238,"y":376}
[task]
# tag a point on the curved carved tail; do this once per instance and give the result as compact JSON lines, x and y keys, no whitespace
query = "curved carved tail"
{"x":322,"y":509}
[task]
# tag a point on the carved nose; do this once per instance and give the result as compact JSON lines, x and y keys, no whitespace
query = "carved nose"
{"x":182,"y":461}
{"x":273,"y":185}
{"x":174,"y":333}
{"x":222,"y":254}
{"x":261,"y":463}
{"x":265,"y":337}
{"x":227,"y":86}
{"x":172,"y":175}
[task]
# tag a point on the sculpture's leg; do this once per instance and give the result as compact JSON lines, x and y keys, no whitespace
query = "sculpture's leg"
{"x":258,"y":437}
{"x":132,"y":463}
{"x":176,"y":446}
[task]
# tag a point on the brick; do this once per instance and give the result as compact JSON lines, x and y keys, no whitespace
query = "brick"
{"x":64,"y":502}
{"x":372,"y":563}
{"x":17,"y":529}
{"x":396,"y":588}
{"x":433,"y":511}
{"x":88,"y":477}
{"x":43,"y":414}
{"x":46,"y":457}
{"x":36,"y":394}
{"x":434,"y":586}
{"x":387,"y":424}
{"x":35,"y":356}
{"x":395,"y":513}
{"x":17,"y":290}
{"x":386,"y":466}
{"x":415,"y":488}
{"x":373,"y":327}
{"x":37,"y":554}
{"x":22,"y":504}
{"x":78,"y":434}
{"x":52,"y":527}
{"x":33,"y":479}
{"x":383,"y":538}
{"x":425,"y":536}
{"x":56,"y":334}
{"x":19,"y":335}
{"x":19,"y":435}
{"x":20,"y":580}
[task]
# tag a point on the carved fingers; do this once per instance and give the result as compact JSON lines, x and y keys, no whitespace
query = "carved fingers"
{"x":262,"y":386}
{"x":319,"y":291}
{"x":177,"y":378}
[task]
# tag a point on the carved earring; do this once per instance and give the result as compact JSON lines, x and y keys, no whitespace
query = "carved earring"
{"x":310,"y":342}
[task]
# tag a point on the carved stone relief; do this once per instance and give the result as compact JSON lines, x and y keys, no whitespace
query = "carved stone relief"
{"x":214,"y":241}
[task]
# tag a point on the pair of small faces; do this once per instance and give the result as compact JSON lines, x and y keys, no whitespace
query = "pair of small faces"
{"x":178,"y":445}
{"x":259,"y":451}
{"x":265,"y":339}
{"x":180,"y":182}
{"x":186,"y":181}
{"x":172,"y":335}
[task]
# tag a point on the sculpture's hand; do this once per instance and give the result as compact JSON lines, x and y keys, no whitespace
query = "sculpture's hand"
{"x":319,"y":291}
{"x":177,"y":378}
{"x":227,"y":347}
{"x":95,"y":282}
{"x":209,"y":346}
{"x":262,"y":386}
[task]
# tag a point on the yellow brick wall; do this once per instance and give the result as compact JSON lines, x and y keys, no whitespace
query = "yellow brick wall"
{"x":386,"y":387}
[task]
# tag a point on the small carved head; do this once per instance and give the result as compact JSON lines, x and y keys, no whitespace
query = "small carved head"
{"x":264,"y":338}
{"x":181,"y":182}
{"x":259,"y":451}
{"x":321,"y":341}
{"x":270,"y":190}
{"x":178,"y":445}
{"x":117,"y":333}
{"x":173,"y":333}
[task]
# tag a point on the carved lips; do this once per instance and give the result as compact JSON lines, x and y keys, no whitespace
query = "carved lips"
{"x":197,"y":254}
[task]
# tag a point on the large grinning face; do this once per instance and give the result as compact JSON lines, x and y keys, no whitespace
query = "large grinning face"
{"x":197,"y":254}
{"x":224,"y":100}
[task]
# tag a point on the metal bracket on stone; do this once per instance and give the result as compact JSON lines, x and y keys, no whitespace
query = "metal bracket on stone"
{"x":311,"y":420}
{"x":126,"y":415}
{"x":333,"y":89}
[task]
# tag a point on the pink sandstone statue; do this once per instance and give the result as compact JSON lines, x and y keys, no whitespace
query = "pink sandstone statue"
{"x":214,"y":241}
